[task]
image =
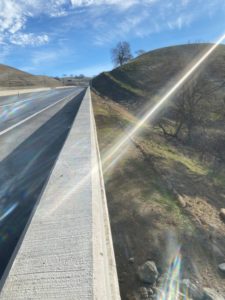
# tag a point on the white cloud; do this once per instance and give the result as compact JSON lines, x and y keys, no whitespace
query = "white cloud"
{"x":152,"y":17}
{"x":11,"y":16}
{"x":185,"y":2}
{"x":92,"y":70}
{"x":128,"y":25}
{"x":142,"y":17}
{"x":122,"y":4}
{"x":126,"y":3}
{"x":15,"y":13}
{"x":40,"y":57}
{"x":24,"y":39}
{"x":50,"y":55}
{"x":180,"y":22}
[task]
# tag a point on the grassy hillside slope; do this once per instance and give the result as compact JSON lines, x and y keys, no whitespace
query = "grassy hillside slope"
{"x":154,"y":71}
{"x":11,"y":77}
{"x":164,"y":192}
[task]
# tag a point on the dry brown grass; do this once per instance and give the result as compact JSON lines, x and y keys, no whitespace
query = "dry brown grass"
{"x":11,"y":77}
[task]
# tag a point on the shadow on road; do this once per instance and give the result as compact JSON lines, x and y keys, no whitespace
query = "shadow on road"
{"x":24,"y":173}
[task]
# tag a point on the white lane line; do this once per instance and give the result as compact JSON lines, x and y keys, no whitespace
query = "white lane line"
{"x":35,"y":114}
{"x":26,"y":100}
{"x":9,"y":211}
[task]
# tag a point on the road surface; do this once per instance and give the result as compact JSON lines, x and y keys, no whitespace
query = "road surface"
{"x":33,"y":128}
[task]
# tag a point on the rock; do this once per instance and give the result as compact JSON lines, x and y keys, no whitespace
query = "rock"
{"x":150,"y":292}
{"x":182,"y":202}
{"x":210,"y":294}
{"x":133,"y":296}
{"x":222,"y":214}
{"x":131,"y":260}
{"x":143,"y":293}
{"x":148,"y":272}
{"x":193,"y":291}
{"x":222,"y":267}
{"x":162,"y":279}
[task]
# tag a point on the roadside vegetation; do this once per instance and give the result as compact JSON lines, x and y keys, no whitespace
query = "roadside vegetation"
{"x":170,"y":183}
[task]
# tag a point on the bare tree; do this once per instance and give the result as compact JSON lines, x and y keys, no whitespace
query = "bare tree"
{"x":121,"y":54}
{"x":187,"y":109}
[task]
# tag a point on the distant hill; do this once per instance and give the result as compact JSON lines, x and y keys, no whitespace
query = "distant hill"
{"x":11,"y":77}
{"x":75,"y":81}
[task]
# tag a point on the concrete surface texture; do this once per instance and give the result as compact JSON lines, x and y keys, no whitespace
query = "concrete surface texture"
{"x":66,"y":250}
{"x":27,"y":154}
{"x":105,"y":279}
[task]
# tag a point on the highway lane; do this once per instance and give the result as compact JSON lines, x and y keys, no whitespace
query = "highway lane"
{"x":4,"y":100}
{"x":28,"y":152}
{"x":15,"y":109}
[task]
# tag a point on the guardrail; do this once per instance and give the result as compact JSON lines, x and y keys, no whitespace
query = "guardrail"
{"x":66,"y":251}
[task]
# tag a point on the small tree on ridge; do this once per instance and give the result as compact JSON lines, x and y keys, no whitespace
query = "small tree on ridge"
{"x":121,"y":54}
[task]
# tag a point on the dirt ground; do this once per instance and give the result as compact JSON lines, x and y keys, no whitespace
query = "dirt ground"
{"x":161,"y":196}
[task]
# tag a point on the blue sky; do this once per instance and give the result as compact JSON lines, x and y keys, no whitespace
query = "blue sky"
{"x":56,"y":37}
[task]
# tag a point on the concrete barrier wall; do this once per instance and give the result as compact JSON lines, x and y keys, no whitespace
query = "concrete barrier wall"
{"x":67,"y":250}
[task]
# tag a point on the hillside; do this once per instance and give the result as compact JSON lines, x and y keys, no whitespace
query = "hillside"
{"x":76,"y":81}
{"x":11,"y":77}
{"x":152,"y":72}
{"x":166,"y":192}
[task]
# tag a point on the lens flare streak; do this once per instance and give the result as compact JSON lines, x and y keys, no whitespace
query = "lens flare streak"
{"x":170,"y":288}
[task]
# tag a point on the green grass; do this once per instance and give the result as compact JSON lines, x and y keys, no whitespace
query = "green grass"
{"x":166,"y":199}
{"x":172,"y":155}
{"x":218,"y":178}
{"x":135,"y":179}
{"x":214,"y":116}
{"x":114,"y":123}
{"x":125,"y":86}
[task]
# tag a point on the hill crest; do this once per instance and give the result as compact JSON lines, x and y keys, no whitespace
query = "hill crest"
{"x":12,"y":77}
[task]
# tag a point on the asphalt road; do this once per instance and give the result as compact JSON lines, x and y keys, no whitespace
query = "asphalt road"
{"x":33,"y":128}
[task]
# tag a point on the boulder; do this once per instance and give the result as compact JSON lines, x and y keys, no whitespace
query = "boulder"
{"x":143,"y":293}
{"x":211,"y":294}
{"x":222,"y":267}
{"x":148,"y":272}
{"x":222,"y":214}
{"x":150,"y":291}
{"x":193,"y":291}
